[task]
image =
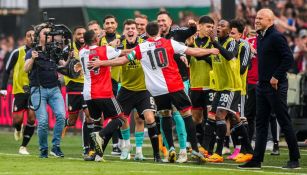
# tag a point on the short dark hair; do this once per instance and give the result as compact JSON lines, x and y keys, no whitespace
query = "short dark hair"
{"x":89,"y":37}
{"x":163,"y":12}
{"x":29,"y":29}
{"x":152,"y":29}
{"x":92,"y":22}
{"x":129,"y":22}
{"x":109,"y":16}
{"x":205,"y":19}
{"x":238,"y":24}
{"x":78,"y":27}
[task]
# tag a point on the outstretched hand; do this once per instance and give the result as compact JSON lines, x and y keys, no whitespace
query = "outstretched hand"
{"x":94,"y":63}
{"x":215,"y":51}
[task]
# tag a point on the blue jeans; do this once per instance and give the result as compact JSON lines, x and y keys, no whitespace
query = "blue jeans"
{"x":54,"y":98}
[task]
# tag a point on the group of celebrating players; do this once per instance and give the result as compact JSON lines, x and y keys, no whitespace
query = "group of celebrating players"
{"x":156,"y":74}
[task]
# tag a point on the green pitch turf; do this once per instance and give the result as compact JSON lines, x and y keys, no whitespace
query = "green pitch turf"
{"x":13,"y":164}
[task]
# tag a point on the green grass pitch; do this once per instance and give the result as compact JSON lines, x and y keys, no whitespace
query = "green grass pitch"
{"x":13,"y":164}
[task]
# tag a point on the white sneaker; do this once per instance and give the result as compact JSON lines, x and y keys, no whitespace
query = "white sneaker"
{"x":18,"y":134}
{"x":139,"y":157}
{"x":182,"y":157}
{"x":99,"y":158}
{"x":125,"y":154}
{"x":23,"y":150}
{"x":226,"y":150}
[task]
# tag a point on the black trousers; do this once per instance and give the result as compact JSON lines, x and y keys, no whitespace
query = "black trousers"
{"x":268,"y":99}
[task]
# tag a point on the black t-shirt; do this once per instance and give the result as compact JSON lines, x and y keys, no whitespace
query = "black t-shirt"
{"x":44,"y":71}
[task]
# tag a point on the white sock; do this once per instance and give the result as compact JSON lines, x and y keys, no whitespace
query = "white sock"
{"x":127,"y":142}
{"x":138,"y":150}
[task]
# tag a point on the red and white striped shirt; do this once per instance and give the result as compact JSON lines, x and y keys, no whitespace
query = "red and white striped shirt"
{"x":161,"y":70}
{"x":97,"y":82}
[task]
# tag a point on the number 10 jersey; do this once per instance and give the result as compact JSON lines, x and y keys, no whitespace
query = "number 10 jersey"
{"x":161,"y":71}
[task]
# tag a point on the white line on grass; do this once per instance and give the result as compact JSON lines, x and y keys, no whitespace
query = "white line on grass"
{"x":177,"y":165}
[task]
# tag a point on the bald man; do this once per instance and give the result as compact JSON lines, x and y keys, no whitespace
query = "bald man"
{"x":275,"y":59}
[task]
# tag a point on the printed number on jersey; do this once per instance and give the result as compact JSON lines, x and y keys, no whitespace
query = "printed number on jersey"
{"x":96,"y":70}
{"x":158,"y":58}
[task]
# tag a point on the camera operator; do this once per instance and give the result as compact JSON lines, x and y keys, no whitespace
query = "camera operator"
{"x":45,"y":90}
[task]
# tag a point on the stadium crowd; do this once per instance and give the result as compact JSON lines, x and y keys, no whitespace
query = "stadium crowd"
{"x":201,"y":75}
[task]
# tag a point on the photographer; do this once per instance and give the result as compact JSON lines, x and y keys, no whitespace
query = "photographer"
{"x":42,"y":69}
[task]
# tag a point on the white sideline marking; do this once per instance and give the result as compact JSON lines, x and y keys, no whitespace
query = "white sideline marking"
{"x":169,"y":165}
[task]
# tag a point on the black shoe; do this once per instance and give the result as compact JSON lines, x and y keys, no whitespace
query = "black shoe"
{"x":292,"y":165}
{"x":157,"y":159}
{"x":116,"y":151}
{"x":275,"y":151}
{"x":250,"y":165}
{"x":44,"y":153}
{"x":56,"y":151}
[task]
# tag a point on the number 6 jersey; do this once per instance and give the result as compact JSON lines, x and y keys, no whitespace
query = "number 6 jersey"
{"x":160,"y":69}
{"x":97,"y":82}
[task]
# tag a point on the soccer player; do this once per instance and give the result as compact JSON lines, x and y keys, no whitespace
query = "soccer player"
{"x":94,"y":25}
{"x":98,"y":93}
{"x":180,"y":35}
{"x":200,"y":92}
{"x":141,"y":22}
{"x":163,"y":80}
{"x":74,"y":98}
{"x":133,"y":95}
{"x":21,"y":92}
{"x":244,"y":55}
{"x":225,"y":79}
{"x":112,"y":38}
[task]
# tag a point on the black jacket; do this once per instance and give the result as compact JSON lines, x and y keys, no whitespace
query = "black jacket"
{"x":274,"y":56}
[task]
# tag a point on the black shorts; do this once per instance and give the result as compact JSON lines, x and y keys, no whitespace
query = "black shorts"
{"x":108,"y":107}
{"x":21,"y":102}
{"x":201,"y":99}
{"x":250,"y":105}
{"x":179,"y":99}
{"x":75,"y":102}
{"x":139,"y":100}
{"x":227,"y":100}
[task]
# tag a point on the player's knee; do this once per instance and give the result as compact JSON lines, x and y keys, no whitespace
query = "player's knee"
{"x":149,"y":116}
{"x":125,"y":123}
{"x":197,"y":116}
{"x":139,"y":121}
{"x":220,"y":114}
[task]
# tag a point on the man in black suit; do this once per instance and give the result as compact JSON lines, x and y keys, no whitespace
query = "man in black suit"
{"x":275,"y":59}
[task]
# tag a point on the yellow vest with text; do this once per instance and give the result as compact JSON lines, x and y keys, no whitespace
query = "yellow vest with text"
{"x":132,"y":75}
{"x":80,"y":79}
{"x":225,"y":75}
{"x":199,"y":71}
{"x":20,"y":77}
{"x":115,"y":71}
